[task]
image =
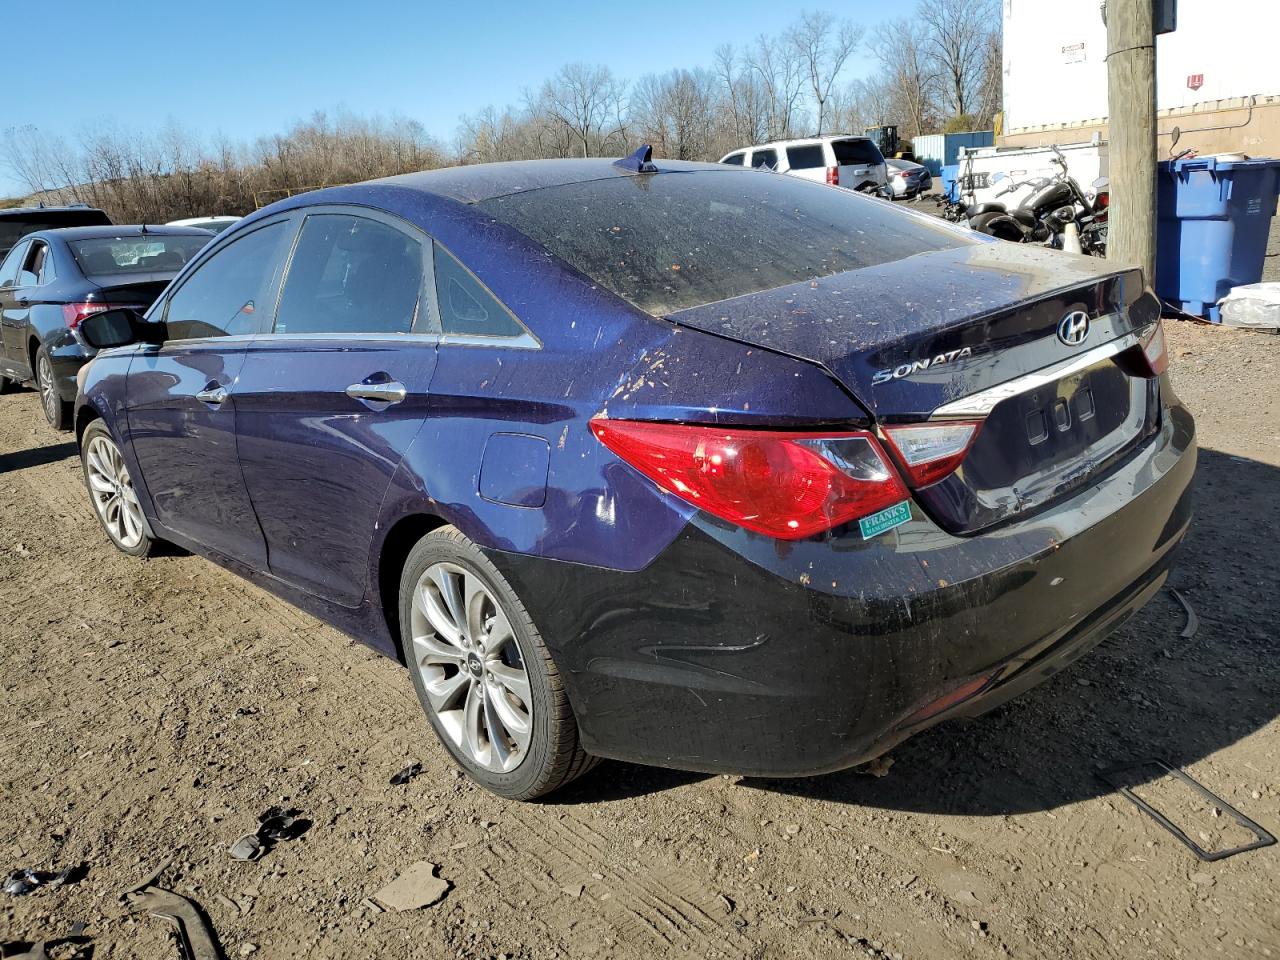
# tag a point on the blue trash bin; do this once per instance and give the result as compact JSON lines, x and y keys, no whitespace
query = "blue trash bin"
{"x":1214,"y":216}
{"x":950,"y":173}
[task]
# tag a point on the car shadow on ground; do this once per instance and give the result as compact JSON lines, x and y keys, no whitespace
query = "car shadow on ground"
{"x":38,"y":456}
{"x":1145,"y":692}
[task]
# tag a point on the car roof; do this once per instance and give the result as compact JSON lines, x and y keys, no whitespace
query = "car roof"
{"x":485,"y":181}
{"x":25,"y":212}
{"x":109,"y":231}
{"x":193,"y":221}
{"x":800,"y":141}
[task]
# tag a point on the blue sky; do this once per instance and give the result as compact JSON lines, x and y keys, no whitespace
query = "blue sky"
{"x":245,"y":69}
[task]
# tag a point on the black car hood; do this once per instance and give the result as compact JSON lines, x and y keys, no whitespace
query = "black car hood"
{"x":999,"y":301}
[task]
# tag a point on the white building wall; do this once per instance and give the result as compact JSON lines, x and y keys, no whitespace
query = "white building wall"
{"x":1055,"y":69}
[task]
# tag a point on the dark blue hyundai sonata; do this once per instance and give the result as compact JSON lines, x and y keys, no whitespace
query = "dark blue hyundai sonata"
{"x":680,"y":464}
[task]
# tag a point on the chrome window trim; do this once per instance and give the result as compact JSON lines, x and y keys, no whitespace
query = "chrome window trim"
{"x":982,"y":403}
{"x":526,"y":341}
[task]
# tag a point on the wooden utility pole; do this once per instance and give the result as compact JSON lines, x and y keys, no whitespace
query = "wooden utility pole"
{"x":1131,"y":102}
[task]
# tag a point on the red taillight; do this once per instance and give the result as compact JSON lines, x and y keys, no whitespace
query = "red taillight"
{"x":931,"y":451}
{"x":1103,"y":201}
{"x":74,"y":313}
{"x":782,"y":484}
{"x":1153,"y":348}
{"x":833,"y":176}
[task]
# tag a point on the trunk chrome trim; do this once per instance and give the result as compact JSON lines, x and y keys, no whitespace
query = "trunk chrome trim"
{"x":981,"y":403}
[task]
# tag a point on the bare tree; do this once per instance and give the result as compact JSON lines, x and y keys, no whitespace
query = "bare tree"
{"x":587,"y":100}
{"x":823,"y":46}
{"x":957,"y":33}
{"x":901,"y":47}
{"x":675,"y":112}
{"x":780,"y":76}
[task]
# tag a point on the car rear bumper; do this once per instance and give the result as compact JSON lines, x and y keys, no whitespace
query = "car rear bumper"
{"x":735,"y":653}
{"x":66,"y":355}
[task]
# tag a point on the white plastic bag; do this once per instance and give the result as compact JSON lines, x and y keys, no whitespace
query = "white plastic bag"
{"x":1255,"y":305}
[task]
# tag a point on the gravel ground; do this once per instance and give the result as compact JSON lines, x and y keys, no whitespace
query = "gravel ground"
{"x":153,"y":708}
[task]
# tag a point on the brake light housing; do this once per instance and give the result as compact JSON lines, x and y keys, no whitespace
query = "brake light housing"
{"x":73,"y":314}
{"x":833,"y":176}
{"x":928,"y":452}
{"x":1154,"y":349}
{"x":788,"y":485}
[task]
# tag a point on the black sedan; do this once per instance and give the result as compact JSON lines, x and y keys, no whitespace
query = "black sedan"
{"x":52,"y":279}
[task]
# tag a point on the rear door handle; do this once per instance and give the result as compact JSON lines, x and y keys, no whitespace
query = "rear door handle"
{"x":392,"y":391}
{"x":213,"y":395}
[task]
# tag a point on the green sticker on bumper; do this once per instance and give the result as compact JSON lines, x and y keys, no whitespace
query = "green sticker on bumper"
{"x":886,"y":519}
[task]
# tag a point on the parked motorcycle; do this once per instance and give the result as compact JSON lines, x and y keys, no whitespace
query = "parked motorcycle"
{"x":1056,"y":213}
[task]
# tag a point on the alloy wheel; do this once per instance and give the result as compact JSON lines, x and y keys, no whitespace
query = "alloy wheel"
{"x":48,"y":388}
{"x":113,"y":494}
{"x":471,"y":667}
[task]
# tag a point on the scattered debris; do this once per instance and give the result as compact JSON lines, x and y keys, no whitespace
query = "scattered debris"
{"x":23,"y":880}
{"x":879,"y":767}
{"x":574,"y":890}
{"x":1193,"y":622}
{"x":726,"y":902}
{"x":195,"y":933}
{"x":407,"y":774}
{"x":274,"y":824}
{"x":417,"y":887}
{"x":74,"y":946}
{"x":1121,"y":777}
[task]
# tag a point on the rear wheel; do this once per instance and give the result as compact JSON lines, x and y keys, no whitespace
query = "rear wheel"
{"x":112,"y":493}
{"x":56,"y":410}
{"x":482,"y":672}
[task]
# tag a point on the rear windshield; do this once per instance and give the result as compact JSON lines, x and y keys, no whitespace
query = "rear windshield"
{"x":679,"y":240}
{"x":135,"y":254}
{"x":851,"y":152}
{"x":806,"y":157}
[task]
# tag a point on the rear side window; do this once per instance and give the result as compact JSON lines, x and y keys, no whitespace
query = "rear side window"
{"x":668,"y":242}
{"x":733,"y":159}
{"x":40,"y":263}
{"x":768,"y":159}
{"x":230,"y":294}
{"x":351,"y":275}
{"x":467,"y":308}
{"x":806,"y":157}
{"x":856,"y":152}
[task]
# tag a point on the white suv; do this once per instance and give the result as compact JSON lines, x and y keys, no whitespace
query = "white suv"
{"x":839,"y":160}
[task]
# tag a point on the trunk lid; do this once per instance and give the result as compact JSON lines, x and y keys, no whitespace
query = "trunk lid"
{"x":930,"y":335}
{"x":130,"y":289}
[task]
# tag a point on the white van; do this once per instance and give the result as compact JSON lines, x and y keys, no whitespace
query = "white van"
{"x":839,"y":160}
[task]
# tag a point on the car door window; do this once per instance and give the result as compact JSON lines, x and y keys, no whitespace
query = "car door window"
{"x":734,"y":159}
{"x":9,"y":269}
{"x":351,"y":274}
{"x":231,"y":293}
{"x":765,"y":158}
{"x":467,"y":308}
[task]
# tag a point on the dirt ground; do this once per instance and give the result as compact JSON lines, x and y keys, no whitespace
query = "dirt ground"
{"x":151,"y":709}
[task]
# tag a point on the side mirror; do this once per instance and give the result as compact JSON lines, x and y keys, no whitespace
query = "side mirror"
{"x":117,"y":328}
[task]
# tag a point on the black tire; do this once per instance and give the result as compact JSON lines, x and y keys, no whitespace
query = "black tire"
{"x":999,"y":225}
{"x":146,"y":544}
{"x":56,"y":410}
{"x":554,"y":756}
{"x":5,"y":384}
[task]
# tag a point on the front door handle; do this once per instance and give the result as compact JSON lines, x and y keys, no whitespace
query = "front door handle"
{"x":392,"y":391}
{"x":213,"y":395}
